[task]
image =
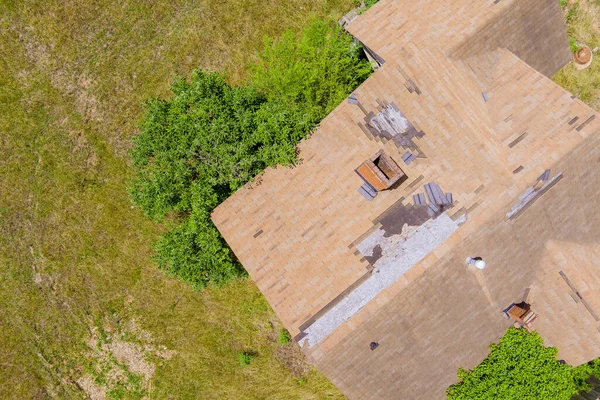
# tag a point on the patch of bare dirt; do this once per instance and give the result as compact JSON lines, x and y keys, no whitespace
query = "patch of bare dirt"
{"x":94,"y":392}
{"x":117,"y":350}
{"x":65,"y":77}
{"x":132,"y":355}
{"x":289,"y":355}
{"x":293,"y":359}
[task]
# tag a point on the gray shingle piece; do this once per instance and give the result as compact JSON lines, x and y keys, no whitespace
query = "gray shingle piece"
{"x":352,"y":99}
{"x":419,"y":199}
{"x":406,"y":156}
{"x":370,"y":189}
{"x":439,"y":194}
{"x":365,"y":193}
{"x":449,"y":197}
{"x":545,"y":176}
{"x":429,"y":192}
{"x":432,"y":209}
{"x":435,"y":194}
{"x":410,"y":159}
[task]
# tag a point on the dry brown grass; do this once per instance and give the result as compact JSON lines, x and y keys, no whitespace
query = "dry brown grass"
{"x":74,"y":254}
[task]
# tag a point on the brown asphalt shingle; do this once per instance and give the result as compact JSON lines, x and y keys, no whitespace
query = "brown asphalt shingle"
{"x":296,"y":232}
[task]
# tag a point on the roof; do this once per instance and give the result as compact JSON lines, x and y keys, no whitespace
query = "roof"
{"x":341,"y":271}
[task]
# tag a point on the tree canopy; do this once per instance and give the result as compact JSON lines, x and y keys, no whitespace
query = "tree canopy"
{"x":520,"y":367}
{"x":209,"y":139}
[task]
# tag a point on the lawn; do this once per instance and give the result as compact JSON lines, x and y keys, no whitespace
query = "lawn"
{"x":583,"y":28}
{"x":83,"y":310}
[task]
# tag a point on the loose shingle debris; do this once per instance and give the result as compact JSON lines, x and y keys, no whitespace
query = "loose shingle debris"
{"x":409,"y":157}
{"x":419,"y":199}
{"x":545,"y":176}
{"x":367,"y":191}
{"x":437,"y":198}
{"x":391,"y":124}
{"x":533,"y":193}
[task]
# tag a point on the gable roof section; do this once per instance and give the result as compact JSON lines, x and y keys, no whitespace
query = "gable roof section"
{"x":467,"y":30}
{"x":298,"y":232}
{"x":311,"y":215}
{"x":441,"y":316}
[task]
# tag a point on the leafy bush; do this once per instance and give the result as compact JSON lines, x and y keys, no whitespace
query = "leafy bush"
{"x":245,"y":359}
{"x":284,"y":337}
{"x":366,"y":4}
{"x":520,"y":367}
{"x":209,"y":139}
{"x":314,"y":71}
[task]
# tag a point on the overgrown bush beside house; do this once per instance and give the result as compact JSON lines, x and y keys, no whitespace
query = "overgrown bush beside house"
{"x":314,"y":71}
{"x":209,"y":139}
{"x":521,"y":367}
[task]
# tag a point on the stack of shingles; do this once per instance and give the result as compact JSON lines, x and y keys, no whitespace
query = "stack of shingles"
{"x":367,"y":191}
{"x":437,"y":198}
{"x":409,"y":157}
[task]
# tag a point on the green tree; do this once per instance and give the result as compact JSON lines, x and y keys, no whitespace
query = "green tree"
{"x":520,"y":367}
{"x":314,"y":70}
{"x":209,"y":139}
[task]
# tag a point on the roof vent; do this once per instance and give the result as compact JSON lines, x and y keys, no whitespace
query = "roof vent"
{"x":380,"y":171}
{"x":373,"y":345}
{"x":477,"y":262}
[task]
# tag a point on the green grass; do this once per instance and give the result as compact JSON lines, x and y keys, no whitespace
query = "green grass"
{"x":284,"y":337}
{"x":76,"y":280}
{"x":583,"y":28}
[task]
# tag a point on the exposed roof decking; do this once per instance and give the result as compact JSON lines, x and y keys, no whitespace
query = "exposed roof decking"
{"x":297,"y":232}
{"x":442,"y":316}
{"x":310,"y":214}
{"x":305,"y":260}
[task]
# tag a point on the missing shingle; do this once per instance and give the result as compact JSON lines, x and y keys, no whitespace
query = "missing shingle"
{"x":257,"y":234}
{"x":518,"y":169}
{"x":584,"y":123}
{"x":479,"y":189}
{"x":517,"y":140}
{"x":473,"y":206}
{"x":579,"y":296}
{"x":571,"y":122}
{"x":410,"y":81}
{"x":416,"y":182}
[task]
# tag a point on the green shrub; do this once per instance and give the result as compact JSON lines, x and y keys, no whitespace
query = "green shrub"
{"x":366,"y":4}
{"x":519,"y":367}
{"x":245,"y":359}
{"x":209,"y":139}
{"x":573,"y":45}
{"x":284,"y":337}
{"x":314,"y":71}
